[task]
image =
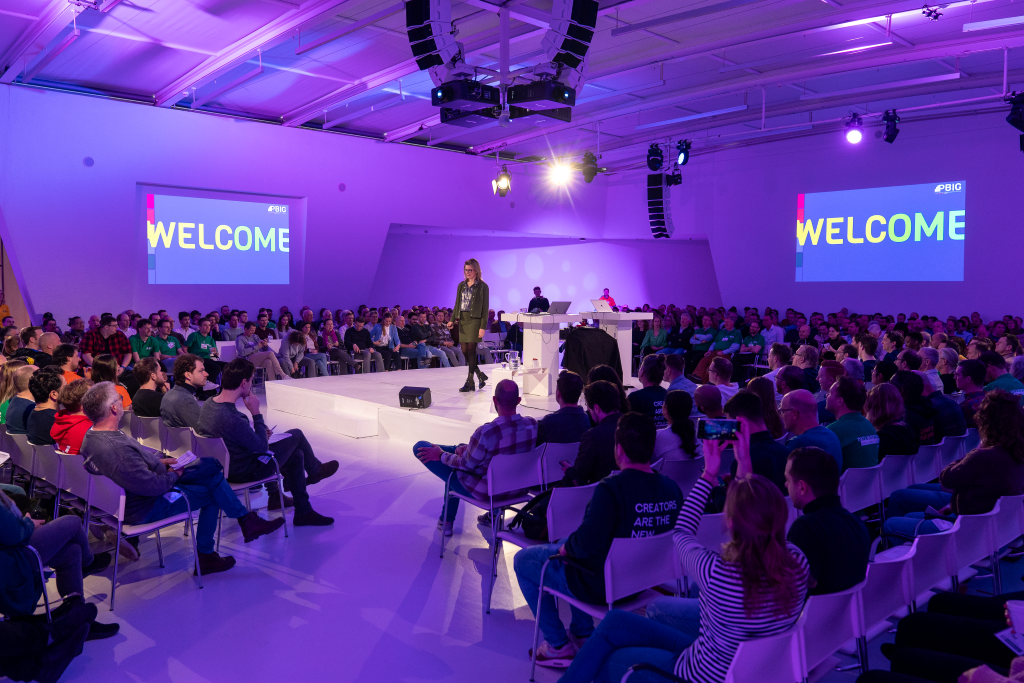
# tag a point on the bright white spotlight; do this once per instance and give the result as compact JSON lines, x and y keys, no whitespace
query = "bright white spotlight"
{"x":853,"y":136}
{"x":559,"y":174}
{"x":853,"y":132}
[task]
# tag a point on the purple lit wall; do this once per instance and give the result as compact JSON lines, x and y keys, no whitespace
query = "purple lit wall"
{"x":636,"y":271}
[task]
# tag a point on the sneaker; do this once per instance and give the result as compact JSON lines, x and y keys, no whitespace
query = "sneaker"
{"x":100,"y":561}
{"x":98,"y":631}
{"x":212,"y":563}
{"x":327,"y":470}
{"x":559,"y":658}
{"x":577,"y":641}
{"x":447,"y":528}
{"x":253,"y":526}
{"x":311,"y":518}
{"x":275,"y":501}
{"x":125,"y":549}
{"x":484,"y":519}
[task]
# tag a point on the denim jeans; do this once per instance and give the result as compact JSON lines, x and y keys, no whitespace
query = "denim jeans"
{"x":682,"y":614}
{"x":208,"y":492}
{"x":905,"y":510}
{"x":321,"y":363}
{"x":429,"y":352}
{"x":443,"y":471}
{"x":621,"y":640}
{"x":64,"y":547}
{"x":413,"y":355}
{"x":528,"y":563}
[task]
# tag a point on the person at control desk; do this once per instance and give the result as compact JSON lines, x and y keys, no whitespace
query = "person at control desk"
{"x":472,"y":302}
{"x":538,"y":304}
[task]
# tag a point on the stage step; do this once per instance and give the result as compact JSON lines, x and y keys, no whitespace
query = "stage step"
{"x":350,"y":424}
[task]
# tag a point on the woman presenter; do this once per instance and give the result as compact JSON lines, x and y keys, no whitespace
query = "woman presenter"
{"x":472,"y":301}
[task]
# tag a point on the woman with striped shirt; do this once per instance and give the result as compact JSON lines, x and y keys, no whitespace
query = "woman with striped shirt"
{"x":754,"y":587}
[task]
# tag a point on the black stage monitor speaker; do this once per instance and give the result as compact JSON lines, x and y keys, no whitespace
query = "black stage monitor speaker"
{"x":414,"y":397}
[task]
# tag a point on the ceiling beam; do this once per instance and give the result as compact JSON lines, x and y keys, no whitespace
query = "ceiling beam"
{"x":683,"y":16}
{"x":781,"y":76}
{"x":348,"y":113}
{"x":265,"y":37}
{"x":50,"y":55}
{"x":523,"y":13}
{"x":349,"y":28}
{"x":54,"y":19}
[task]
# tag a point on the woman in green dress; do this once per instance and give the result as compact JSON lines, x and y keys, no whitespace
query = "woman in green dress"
{"x":472,"y":302}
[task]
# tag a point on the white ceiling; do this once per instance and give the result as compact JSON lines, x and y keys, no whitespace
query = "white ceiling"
{"x":657,"y":67}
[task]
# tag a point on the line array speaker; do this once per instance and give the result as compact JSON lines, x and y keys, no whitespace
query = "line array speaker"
{"x":428,"y":24}
{"x":659,"y":211}
{"x":568,"y":39}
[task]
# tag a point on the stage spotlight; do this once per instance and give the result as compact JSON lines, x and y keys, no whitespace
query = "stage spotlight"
{"x":932,"y":13}
{"x":589,"y":167}
{"x":1016,"y":116}
{"x":655,"y":159}
{"x":891,"y":131}
{"x":853,"y":132}
{"x":560,"y":173}
{"x":503,"y":183}
{"x":684,"y":152}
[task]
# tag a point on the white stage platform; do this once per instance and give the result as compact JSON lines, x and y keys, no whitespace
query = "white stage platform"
{"x":366,"y":405}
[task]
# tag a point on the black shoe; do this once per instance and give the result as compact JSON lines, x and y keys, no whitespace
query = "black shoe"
{"x":79,"y":614}
{"x":212,"y":563}
{"x":327,"y":469}
{"x":275,"y":501}
{"x":100,"y":561}
{"x":468,"y":386}
{"x":59,"y":655}
{"x":98,"y":631}
{"x":311,"y":518}
{"x":253,"y":526}
{"x":482,"y":377}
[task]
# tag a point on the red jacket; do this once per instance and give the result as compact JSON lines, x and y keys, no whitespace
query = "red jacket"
{"x":69,"y":430}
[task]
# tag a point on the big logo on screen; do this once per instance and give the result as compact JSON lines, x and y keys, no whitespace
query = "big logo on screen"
{"x":946,"y":188}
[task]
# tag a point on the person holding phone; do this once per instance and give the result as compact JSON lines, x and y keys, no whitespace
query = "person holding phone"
{"x":472,"y":303}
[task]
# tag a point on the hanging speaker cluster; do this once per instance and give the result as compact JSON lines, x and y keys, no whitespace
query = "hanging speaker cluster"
{"x":568,"y":39}
{"x":432,"y":39}
{"x":659,"y":211}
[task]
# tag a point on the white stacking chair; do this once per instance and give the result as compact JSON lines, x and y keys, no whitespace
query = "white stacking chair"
{"x":175,"y":441}
{"x":22,"y":456}
{"x":972,"y":440}
{"x":897,"y":473}
{"x":109,"y":498}
{"x":952,"y":449}
{"x":830,"y":621}
{"x":554,"y":453}
{"x":77,"y":481}
{"x":861,"y":487}
{"x":1006,"y":529}
{"x":566,"y":508}
{"x":927,"y":464}
{"x":208,"y":447}
{"x":126,"y":421}
{"x":712,"y":533}
{"x":633,"y":567}
{"x":47,"y":467}
{"x":932,"y":563}
{"x":774,"y":659}
{"x":146,"y":430}
{"x":685,"y":473}
{"x":975,"y":543}
{"x":887,"y":591}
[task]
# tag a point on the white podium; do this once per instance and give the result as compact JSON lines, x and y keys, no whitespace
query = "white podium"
{"x":540,"y":342}
{"x":620,"y":326}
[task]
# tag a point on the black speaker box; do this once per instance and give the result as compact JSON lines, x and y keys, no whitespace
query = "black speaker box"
{"x":414,"y":397}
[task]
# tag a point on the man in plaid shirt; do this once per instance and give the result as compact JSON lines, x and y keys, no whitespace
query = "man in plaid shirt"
{"x":509,"y":433}
{"x":106,"y":339}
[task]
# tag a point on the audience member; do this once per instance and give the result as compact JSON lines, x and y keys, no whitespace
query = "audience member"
{"x":570,"y":421}
{"x":767,"y":456}
{"x":8,"y":390}
{"x":168,"y":346}
{"x":867,"y":346}
{"x":106,"y":339}
{"x":920,"y":415}
{"x":857,"y":437}
{"x":23,"y":403}
{"x":509,"y":433}
{"x":708,"y":400}
{"x":930,"y":370}
{"x":885,"y":410}
{"x":248,"y":444}
{"x":675,"y":374}
{"x":608,"y":374}
{"x":637,"y":498}
{"x":828,"y":373}
{"x":264,"y":330}
{"x":806,"y":358}
{"x":754,"y":587}
{"x":312,"y":352}
{"x":180,"y":406}
{"x":29,"y":349}
{"x":727,"y":342}
{"x":655,"y":339}
{"x":70,"y":424}
{"x":950,"y":419}
{"x":883,"y":372}
{"x":834,"y":541}
{"x":892,"y":344}
{"x":202,"y":345}
{"x":45,"y":387}
{"x":948,"y":359}
{"x":970,"y":379}
{"x":765,"y":390}
{"x":789,"y":379}
{"x":258,"y":352}
{"x":800,"y":418}
{"x":66,"y":357}
{"x":973,"y":484}
{"x":153,"y":386}
{"x":360,"y":346}
{"x":998,"y":377}
{"x":331,"y":342}
{"x":143,"y":343}
{"x":385,"y":341}
{"x":105,"y":369}
{"x":679,"y":441}
{"x":146,"y":477}
{"x":649,"y":400}
{"x":720,"y":374}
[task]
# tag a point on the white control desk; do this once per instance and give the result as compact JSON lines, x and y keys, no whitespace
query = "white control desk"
{"x":620,"y":326}
{"x":540,"y":343}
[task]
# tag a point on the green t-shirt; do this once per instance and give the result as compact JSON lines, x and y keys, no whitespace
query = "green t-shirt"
{"x":200,"y":345}
{"x":727,"y":338}
{"x":3,"y":412}
{"x":168,"y":347}
{"x":698,"y":339}
{"x":755,"y":340}
{"x":145,"y":349}
{"x":1008,"y":383}
{"x":858,"y":439}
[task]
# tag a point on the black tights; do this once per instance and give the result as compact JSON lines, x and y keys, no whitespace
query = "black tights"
{"x":469,"y":351}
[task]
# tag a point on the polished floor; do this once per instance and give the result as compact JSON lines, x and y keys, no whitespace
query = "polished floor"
{"x":366,"y":600}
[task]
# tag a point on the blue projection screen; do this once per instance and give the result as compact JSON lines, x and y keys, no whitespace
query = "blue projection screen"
{"x":203,"y":241}
{"x":905,"y":233}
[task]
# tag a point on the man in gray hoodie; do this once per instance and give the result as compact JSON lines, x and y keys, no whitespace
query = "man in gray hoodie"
{"x":154,"y":489}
